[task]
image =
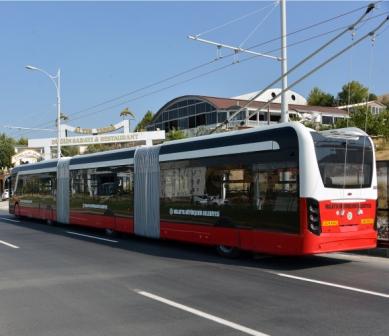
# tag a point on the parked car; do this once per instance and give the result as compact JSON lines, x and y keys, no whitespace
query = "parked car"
{"x":5,"y":195}
{"x":200,"y":199}
{"x":215,"y":200}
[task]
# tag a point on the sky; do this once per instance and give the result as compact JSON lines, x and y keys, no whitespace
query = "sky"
{"x":107,"y":50}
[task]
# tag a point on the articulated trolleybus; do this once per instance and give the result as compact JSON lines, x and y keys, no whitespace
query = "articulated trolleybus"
{"x":283,"y":189}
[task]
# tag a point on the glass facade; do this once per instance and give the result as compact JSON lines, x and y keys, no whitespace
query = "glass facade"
{"x":187,"y":113}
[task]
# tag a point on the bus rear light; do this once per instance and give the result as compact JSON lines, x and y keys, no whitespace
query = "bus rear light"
{"x":313,"y":216}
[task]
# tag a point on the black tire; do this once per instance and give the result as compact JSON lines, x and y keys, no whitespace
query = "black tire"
{"x":110,"y":232}
{"x":228,"y":251}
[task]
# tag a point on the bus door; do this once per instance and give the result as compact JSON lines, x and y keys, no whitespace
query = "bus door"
{"x":28,"y":200}
{"x":98,"y":201}
{"x":46,"y":185}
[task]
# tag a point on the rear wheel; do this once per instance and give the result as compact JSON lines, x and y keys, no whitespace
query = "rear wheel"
{"x":228,"y":251}
{"x":110,"y":232}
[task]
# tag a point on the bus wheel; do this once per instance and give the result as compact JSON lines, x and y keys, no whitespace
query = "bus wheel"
{"x":228,"y":251}
{"x":110,"y":232}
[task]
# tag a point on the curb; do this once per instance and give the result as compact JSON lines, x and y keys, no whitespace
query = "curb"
{"x":377,"y":252}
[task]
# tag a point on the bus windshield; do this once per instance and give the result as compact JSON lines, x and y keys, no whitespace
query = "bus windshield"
{"x":344,"y":163}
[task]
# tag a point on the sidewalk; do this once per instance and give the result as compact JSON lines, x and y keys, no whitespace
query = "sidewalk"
{"x":377,"y":252}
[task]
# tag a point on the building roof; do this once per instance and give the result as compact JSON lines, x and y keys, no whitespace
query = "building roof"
{"x":229,"y":103}
{"x":292,"y":97}
{"x":369,"y":103}
{"x":220,"y":103}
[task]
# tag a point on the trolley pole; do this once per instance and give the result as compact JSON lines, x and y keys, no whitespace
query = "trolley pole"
{"x":284,"y":65}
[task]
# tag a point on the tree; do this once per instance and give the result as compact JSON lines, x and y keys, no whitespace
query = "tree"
{"x":98,"y":148}
{"x":318,"y":97}
{"x":374,"y":124}
{"x":22,"y":142}
{"x":63,"y":117}
{"x":385,"y":100}
{"x":175,"y":134}
{"x":7,"y":149}
{"x":148,"y":117}
{"x":69,"y":151}
{"x":354,"y":93}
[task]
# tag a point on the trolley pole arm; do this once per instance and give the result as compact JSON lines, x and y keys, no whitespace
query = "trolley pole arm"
{"x":371,"y":33}
{"x":370,"y":7}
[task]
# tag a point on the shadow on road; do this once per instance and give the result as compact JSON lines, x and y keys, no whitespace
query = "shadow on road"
{"x":178,"y":250}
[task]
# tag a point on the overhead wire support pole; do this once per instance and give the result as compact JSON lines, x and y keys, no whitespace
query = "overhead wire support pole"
{"x":370,"y":7}
{"x":236,"y":49}
{"x":284,"y":65}
{"x":371,"y":33}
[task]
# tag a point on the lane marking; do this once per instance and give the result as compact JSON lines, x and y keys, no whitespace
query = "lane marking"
{"x":202,"y":314}
{"x":11,"y":220}
{"x":93,"y":237}
{"x":354,"y":289}
{"x":8,"y":244}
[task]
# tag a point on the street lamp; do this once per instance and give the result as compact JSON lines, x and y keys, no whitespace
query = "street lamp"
{"x":57,"y":83}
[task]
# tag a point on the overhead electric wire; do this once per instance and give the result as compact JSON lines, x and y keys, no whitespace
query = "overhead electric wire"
{"x":293,"y":44}
{"x":211,"y":62}
{"x":258,"y":25}
{"x":205,"y":74}
{"x":206,"y":64}
{"x":371,"y":33}
{"x":310,"y":26}
{"x":305,"y":59}
{"x":234,"y":20}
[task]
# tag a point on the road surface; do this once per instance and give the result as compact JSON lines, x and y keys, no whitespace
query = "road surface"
{"x":60,"y":280}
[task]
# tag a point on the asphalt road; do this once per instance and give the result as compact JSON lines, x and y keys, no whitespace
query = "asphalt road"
{"x":53,"y":281}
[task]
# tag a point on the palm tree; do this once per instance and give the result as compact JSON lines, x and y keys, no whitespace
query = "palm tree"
{"x":63,"y":117}
{"x":126,"y":113}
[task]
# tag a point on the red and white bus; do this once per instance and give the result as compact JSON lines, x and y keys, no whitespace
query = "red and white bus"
{"x":283,"y":189}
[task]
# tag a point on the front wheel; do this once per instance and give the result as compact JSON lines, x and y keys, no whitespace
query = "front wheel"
{"x":228,"y":251}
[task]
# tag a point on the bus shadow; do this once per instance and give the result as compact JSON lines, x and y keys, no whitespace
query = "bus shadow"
{"x":183,"y":251}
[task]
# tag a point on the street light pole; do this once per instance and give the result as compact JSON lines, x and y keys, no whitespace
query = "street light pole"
{"x":57,"y":83}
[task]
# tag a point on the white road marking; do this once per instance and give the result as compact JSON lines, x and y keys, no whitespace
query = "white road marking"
{"x":202,"y":314}
{"x":8,"y":244}
{"x":11,"y":220}
{"x":335,"y":285}
{"x":94,"y":237}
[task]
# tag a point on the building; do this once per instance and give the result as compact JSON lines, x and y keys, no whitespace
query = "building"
{"x":25,"y":154}
{"x":95,"y":136}
{"x":374,"y":106}
{"x":191,"y":112}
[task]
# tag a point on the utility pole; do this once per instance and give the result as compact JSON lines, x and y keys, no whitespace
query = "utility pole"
{"x":56,"y":79}
{"x":284,"y":65}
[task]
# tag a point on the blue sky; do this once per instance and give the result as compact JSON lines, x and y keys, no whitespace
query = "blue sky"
{"x":107,"y":49}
